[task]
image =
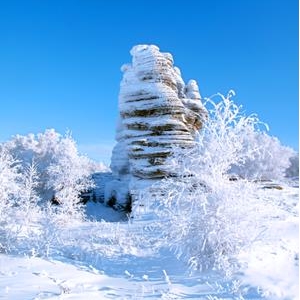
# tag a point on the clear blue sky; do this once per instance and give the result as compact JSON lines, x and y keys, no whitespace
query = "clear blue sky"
{"x":60,"y":60}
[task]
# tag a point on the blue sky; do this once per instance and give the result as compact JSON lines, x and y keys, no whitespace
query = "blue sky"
{"x":60,"y":60}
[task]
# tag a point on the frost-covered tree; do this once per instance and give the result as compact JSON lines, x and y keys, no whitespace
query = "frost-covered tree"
{"x":34,"y":169}
{"x":9,"y":180}
{"x":69,"y":175}
{"x":9,"y":190}
{"x":28,"y":198}
{"x":22,"y":148}
{"x":57,"y":162}
{"x":269,"y":160}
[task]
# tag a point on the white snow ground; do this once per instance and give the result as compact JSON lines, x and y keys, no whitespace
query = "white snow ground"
{"x":98,"y":261}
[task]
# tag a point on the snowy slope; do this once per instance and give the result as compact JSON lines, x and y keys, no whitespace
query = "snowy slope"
{"x":113,"y":260}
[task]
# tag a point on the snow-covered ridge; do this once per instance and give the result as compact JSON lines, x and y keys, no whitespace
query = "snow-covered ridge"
{"x":157,"y":111}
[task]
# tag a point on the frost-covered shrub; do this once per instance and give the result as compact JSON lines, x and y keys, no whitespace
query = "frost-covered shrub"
{"x":18,"y":200}
{"x":27,"y":200}
{"x":270,"y":160}
{"x":59,"y":166}
{"x":9,"y":189}
{"x":69,"y":175}
{"x":9,"y":180}
{"x":201,"y":213}
{"x":224,"y":138}
{"x":34,"y":169}
{"x":203,"y":216}
{"x":240,"y":145}
{"x":207,"y":226}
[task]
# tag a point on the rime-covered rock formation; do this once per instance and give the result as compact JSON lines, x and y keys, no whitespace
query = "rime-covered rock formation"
{"x":157,"y":111}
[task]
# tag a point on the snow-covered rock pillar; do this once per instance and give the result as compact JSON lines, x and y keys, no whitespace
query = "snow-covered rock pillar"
{"x":157,"y":111}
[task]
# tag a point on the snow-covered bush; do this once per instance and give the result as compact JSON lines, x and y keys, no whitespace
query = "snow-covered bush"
{"x":27,"y":208}
{"x":18,"y":200}
{"x":9,"y":188}
{"x":269,"y":161}
{"x":58,"y":164}
{"x":240,"y":145}
{"x":69,"y":175}
{"x":202,"y":213}
{"x":9,"y":181}
{"x":34,"y":169}
{"x":224,"y":138}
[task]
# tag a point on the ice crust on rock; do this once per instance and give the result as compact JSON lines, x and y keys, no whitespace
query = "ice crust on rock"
{"x":157,"y":111}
